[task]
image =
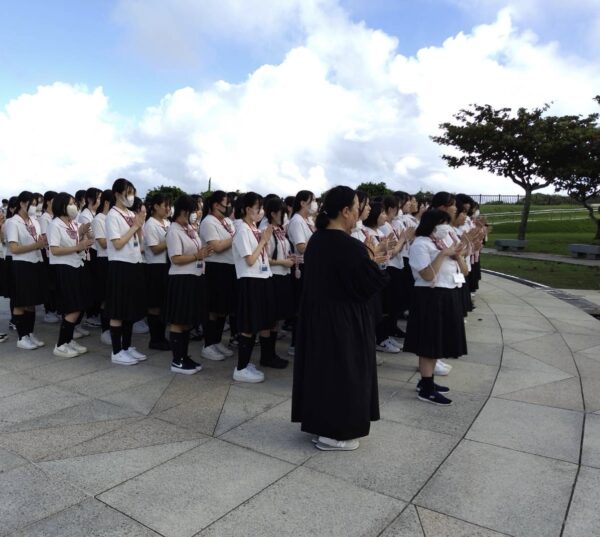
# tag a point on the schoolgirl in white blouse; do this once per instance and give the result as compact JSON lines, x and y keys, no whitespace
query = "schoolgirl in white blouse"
{"x":67,"y":243}
{"x":256,"y":308}
{"x":435,"y":326}
{"x":25,"y":242}
{"x":50,"y":306}
{"x":126,"y":288}
{"x":217,"y":230}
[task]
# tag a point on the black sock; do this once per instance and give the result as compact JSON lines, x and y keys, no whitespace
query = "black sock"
{"x":21,"y":324}
{"x":220,"y":324}
{"x":105,"y":322}
{"x":427,"y":386}
{"x":65,"y":334}
{"x":245,"y":345}
{"x":116,"y":336}
{"x":210,"y":331}
{"x":265,"y":349}
{"x":30,"y":321}
{"x":232,"y":325}
{"x":127,"y":331}
{"x":186,"y":343}
{"x":294,"y":326}
{"x":381,"y":331}
{"x":176,"y":339}
{"x":273,"y":342}
{"x":157,"y":328}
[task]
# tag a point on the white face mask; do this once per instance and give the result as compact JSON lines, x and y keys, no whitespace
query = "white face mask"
{"x":476,"y":213}
{"x":72,"y":211}
{"x":193,"y":218}
{"x":128,"y":200}
{"x":31,"y":211}
{"x":259,"y":215}
{"x":314,"y":207}
{"x":441,"y":232}
{"x":171,"y":212}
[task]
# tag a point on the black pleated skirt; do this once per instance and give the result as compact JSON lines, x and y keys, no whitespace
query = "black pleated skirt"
{"x":186,"y":300}
{"x":221,"y":288}
{"x":395,"y":294}
{"x":28,"y":280}
{"x":297,"y":284}
{"x":157,"y":276}
{"x":475,"y":276}
{"x":7,"y":278}
{"x":256,"y":305}
{"x":125,"y":291}
{"x":74,"y":288}
{"x":435,"y":327}
{"x":465,"y":297}
{"x":284,"y":297}
{"x":408,"y":283}
{"x":99,"y":278}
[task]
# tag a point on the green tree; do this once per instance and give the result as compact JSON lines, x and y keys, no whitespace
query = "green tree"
{"x":575,"y":160}
{"x":374,"y":189}
{"x":172,"y":192}
{"x":502,"y":142}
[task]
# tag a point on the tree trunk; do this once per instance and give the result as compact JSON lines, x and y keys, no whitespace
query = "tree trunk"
{"x":524,"y":215}
{"x":596,"y":221}
{"x":597,"y":237}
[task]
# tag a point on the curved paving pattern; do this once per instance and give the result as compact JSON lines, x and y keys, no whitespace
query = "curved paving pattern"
{"x":87,"y":448}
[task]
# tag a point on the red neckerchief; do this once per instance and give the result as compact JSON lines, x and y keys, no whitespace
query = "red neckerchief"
{"x":72,"y":233}
{"x":279,"y":235}
{"x":257,"y":234}
{"x":30,"y":228}
{"x":189,"y":231}
{"x":127,"y":218}
{"x":440,"y":245}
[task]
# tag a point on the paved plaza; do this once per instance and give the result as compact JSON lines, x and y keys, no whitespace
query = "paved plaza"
{"x":92,"y":449}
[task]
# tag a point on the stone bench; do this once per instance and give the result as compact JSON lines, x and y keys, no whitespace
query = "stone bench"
{"x":512,"y":245}
{"x":588,"y":251}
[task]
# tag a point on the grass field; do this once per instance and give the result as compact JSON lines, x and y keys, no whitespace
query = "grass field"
{"x":510,"y":208}
{"x":558,"y":275}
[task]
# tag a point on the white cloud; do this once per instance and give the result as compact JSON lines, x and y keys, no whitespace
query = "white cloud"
{"x":342,"y":107}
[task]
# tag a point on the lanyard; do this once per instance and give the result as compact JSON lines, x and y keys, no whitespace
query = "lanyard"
{"x":71,"y":232}
{"x":280,"y":236}
{"x":30,"y":228}
{"x":189,"y":231}
{"x":127,"y":218}
{"x":226,"y":226}
{"x":257,"y":234}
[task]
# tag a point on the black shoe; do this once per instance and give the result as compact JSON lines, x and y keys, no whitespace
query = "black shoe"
{"x":275,"y":362}
{"x":233,"y":342}
{"x":437,"y":387}
{"x":160,"y":345}
{"x":184,"y":367}
{"x":196,"y":334}
{"x":197,"y":365}
{"x":435,"y":398}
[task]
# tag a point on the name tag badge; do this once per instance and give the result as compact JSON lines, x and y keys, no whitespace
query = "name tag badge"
{"x":199,"y":264}
{"x":264,"y":268}
{"x":135,"y":244}
{"x":459,"y":278}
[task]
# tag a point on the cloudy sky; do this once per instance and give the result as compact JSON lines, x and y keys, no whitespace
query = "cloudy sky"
{"x":274,"y":95}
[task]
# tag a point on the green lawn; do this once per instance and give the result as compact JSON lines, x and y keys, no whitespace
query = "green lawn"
{"x":551,"y":237}
{"x":558,"y":275}
{"x":509,"y":208}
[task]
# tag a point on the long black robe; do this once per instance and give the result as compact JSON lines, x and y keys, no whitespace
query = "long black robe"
{"x":335,"y":373}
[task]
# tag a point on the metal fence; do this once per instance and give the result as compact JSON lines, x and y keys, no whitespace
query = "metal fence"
{"x":537,"y":215}
{"x":518,"y":198}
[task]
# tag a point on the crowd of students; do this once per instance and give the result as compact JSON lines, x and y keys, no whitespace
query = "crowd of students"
{"x":196,"y":264}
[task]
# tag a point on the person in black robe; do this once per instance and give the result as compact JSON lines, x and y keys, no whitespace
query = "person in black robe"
{"x":335,"y":393}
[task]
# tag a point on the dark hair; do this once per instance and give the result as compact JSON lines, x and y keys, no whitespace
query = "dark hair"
{"x":184,"y":203}
{"x":122,"y":185}
{"x":13,"y":205}
{"x":442,"y":199}
{"x":303,"y":195}
{"x":363,"y":199}
{"x":155,"y":199}
{"x":216,"y":197}
{"x":289,"y":201}
{"x":107,"y":195}
{"x":80,"y":196}
{"x":4,"y":200}
{"x":273,"y":205}
{"x":334,"y":202}
{"x":91,"y":194}
{"x":136,"y":207}
{"x":390,"y":202}
{"x":402,"y":197}
{"x":197,"y":198}
{"x":232,"y":196}
{"x":246,"y":201}
{"x":59,"y":204}
{"x":430,"y":219}
{"x":376,"y":210}
{"x":24,"y":197}
{"x":48,"y":197}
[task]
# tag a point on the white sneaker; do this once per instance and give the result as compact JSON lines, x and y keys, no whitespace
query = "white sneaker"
{"x":80,"y":332}
{"x":248,"y":374}
{"x":51,"y":318}
{"x":79,"y":349}
{"x":140,"y":327}
{"x":387,"y":346}
{"x":440,"y":370}
{"x":3,"y":338}
{"x":225,"y":351}
{"x":37,"y":342}
{"x":329,"y":444}
{"x":444,"y":364}
{"x":26,"y":344}
{"x":65,"y":351}
{"x":105,"y":338}
{"x":137,"y":355}
{"x":212,"y":353}
{"x":94,"y":322}
{"x":291,"y":351}
{"x":123,"y":358}
{"x":257,"y":371}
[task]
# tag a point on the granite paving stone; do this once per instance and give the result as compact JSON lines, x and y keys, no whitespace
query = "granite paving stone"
{"x":504,"y":490}
{"x":438,"y":525}
{"x":183,"y":496}
{"x":406,"y":525}
{"x":141,"y":398}
{"x":9,"y":460}
{"x":591,"y":442}
{"x":584,"y":515}
{"x":561,"y":394}
{"x":311,"y":503}
{"x":537,"y":429}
